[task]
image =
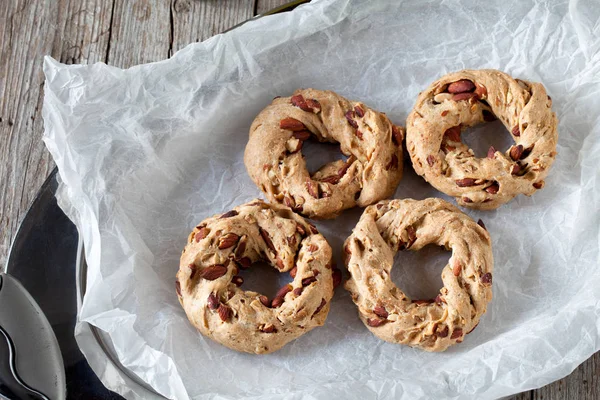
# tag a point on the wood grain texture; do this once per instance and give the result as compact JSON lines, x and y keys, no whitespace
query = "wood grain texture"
{"x":122,"y":33}
{"x":263,"y":6}
{"x":140,"y":32}
{"x":195,"y":21}
{"x":85,"y":32}
{"x":583,"y":383}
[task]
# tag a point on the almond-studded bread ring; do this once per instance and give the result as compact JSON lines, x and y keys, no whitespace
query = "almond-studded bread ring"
{"x":209,"y":288}
{"x":275,"y":162}
{"x":464,"y":99}
{"x":430,"y":324}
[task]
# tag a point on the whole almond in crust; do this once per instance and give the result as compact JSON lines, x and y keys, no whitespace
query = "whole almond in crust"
{"x":291,"y":124}
{"x":227,"y":241}
{"x":213,"y":272}
{"x":461,"y":86}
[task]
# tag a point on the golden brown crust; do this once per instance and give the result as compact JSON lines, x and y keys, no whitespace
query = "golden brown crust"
{"x":437,"y":154}
{"x":274,"y":160}
{"x":207,"y":281}
{"x":432,"y":324}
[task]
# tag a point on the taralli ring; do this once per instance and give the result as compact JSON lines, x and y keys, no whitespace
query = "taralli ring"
{"x":208,"y":284}
{"x":372,"y":143}
{"x":430,"y":324}
{"x":464,"y":99}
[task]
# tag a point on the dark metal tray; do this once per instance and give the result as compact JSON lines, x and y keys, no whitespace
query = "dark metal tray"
{"x":43,"y":258}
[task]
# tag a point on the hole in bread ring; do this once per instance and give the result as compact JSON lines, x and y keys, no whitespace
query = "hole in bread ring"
{"x":464,"y":99}
{"x":210,"y":285}
{"x":435,"y":323}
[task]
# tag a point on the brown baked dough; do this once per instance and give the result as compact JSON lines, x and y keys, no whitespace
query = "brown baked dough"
{"x":274,"y":159}
{"x":464,"y":99}
{"x":389,"y":314}
{"x":208,"y":285}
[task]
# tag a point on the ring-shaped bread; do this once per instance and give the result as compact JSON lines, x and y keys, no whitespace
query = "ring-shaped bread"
{"x":429,"y":324}
{"x":208,"y":284}
{"x":466,"y":98}
{"x":274,"y":159}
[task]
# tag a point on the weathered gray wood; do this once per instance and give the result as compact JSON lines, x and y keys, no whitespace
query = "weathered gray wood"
{"x":86,"y":31}
{"x":522,"y":396}
{"x":123,"y":33}
{"x":195,"y":21}
{"x":263,"y":6}
{"x":140,"y":32}
{"x":583,"y":383}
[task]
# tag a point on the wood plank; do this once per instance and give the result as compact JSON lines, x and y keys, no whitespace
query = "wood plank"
{"x":140,"y":32}
{"x":582,"y":384}
{"x":522,"y":396}
{"x":195,"y":21}
{"x":263,"y":6}
{"x":71,"y":31}
{"x":85,"y":32}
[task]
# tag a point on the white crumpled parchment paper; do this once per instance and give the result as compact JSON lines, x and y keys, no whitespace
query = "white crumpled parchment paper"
{"x":144,"y":154}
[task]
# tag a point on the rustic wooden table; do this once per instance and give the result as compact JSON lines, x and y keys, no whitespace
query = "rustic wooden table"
{"x":122,"y":33}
